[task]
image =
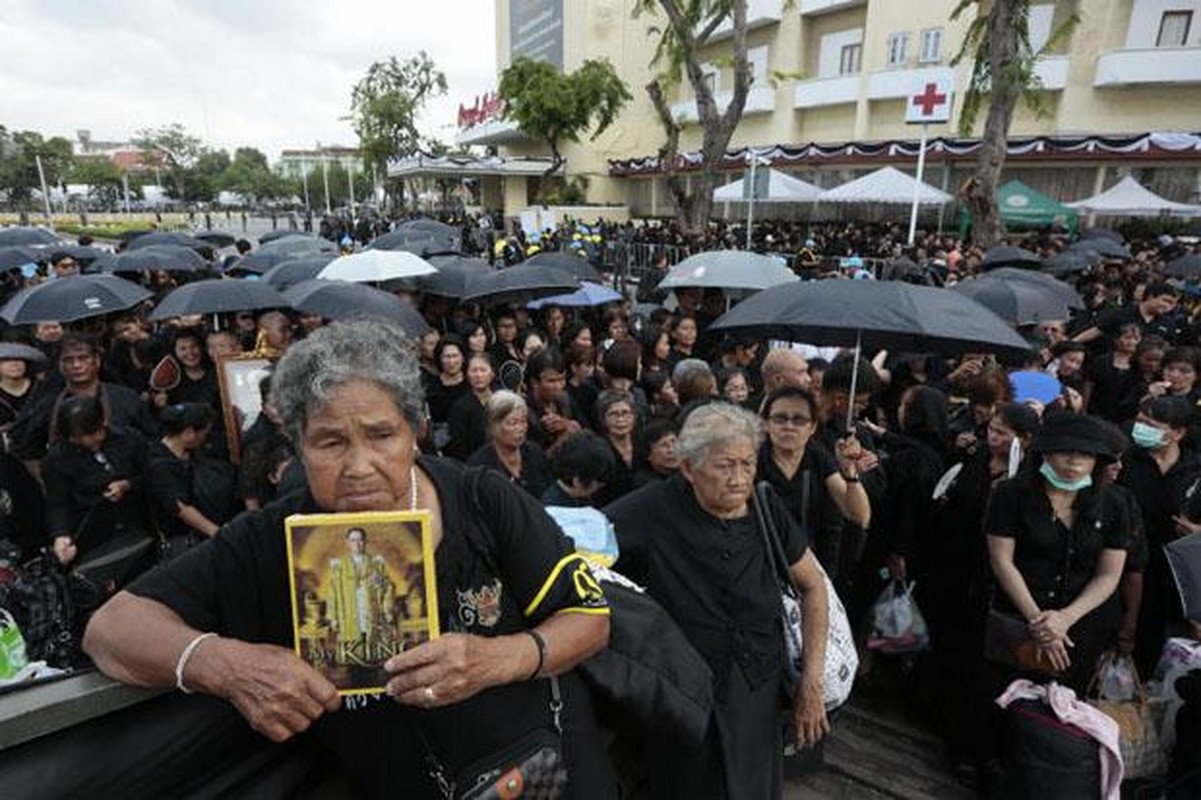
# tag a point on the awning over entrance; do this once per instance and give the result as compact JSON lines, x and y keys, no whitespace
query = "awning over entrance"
{"x":422,"y":165}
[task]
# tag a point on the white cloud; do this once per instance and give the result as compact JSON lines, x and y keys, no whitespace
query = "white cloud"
{"x":269,"y":74}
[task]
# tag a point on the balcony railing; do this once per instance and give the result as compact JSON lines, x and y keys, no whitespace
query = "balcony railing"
{"x":1149,"y":65}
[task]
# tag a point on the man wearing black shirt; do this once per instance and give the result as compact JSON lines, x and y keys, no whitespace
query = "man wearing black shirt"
{"x":1153,"y":314}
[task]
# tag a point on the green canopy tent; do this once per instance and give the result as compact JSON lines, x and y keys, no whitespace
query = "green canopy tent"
{"x":1023,"y":207}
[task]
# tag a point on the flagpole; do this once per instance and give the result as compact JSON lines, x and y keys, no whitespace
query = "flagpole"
{"x":917,"y":186}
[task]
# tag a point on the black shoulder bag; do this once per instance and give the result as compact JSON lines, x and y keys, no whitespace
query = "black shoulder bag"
{"x":532,"y":766}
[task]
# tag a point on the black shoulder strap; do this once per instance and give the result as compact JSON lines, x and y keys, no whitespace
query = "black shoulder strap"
{"x":766,"y":524}
{"x":472,"y":476}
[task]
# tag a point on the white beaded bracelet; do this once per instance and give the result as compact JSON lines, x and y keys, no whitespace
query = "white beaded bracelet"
{"x":185,"y":656}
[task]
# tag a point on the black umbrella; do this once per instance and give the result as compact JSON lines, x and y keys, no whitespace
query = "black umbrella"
{"x":345,"y":300}
{"x":82,"y":253}
{"x":1064,"y":291}
{"x":575,"y":266}
{"x":454,"y":277}
{"x":35,"y":236}
{"x":170,"y":258}
{"x":298,"y":244}
{"x":1016,"y":302}
{"x":428,"y":225}
{"x":216,"y":296}
{"x":1184,"y":558}
{"x":519,"y":284}
{"x":72,"y":298}
{"x":261,"y":262}
{"x":173,"y":238}
{"x":15,"y":351}
{"x":271,"y":236}
{"x":129,"y":236}
{"x":1187,"y":267}
{"x":1105,"y":246}
{"x":217,"y":238}
{"x":18,"y":255}
{"x":890,"y":315}
{"x":418,"y":243}
{"x":1071,"y":261}
{"x":1006,"y":256}
{"x":294,"y":270}
{"x":1102,"y":233}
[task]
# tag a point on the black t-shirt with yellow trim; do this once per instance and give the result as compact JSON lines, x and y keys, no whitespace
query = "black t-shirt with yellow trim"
{"x":503,"y":566}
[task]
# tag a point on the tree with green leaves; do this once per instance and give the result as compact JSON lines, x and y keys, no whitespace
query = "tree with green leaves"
{"x":104,"y":179}
{"x":173,"y":150}
{"x":553,"y":106}
{"x":1003,"y":69}
{"x":690,"y":26}
{"x":19,"y":154}
{"x":384,"y":106}
{"x":250,"y":176}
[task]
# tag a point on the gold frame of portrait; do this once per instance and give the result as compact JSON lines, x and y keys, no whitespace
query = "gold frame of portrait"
{"x":376,"y":523}
{"x":233,"y":391}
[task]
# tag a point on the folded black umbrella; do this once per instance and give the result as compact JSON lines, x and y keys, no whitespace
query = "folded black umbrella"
{"x":1184,"y":557}
{"x":1187,"y":267}
{"x":167,"y":257}
{"x":568,"y":264}
{"x":27,"y":235}
{"x":18,"y":255}
{"x":521,"y":283}
{"x":216,"y":296}
{"x":1103,"y":245}
{"x":294,"y":270}
{"x":454,"y":277}
{"x":1006,"y":256}
{"x":891,"y":315}
{"x":340,"y":300}
{"x":72,"y":298}
{"x":168,"y":238}
{"x":1070,"y":261}
{"x":1016,"y":302}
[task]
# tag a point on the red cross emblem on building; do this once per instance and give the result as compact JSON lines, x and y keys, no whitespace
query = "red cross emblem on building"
{"x":929,"y":99}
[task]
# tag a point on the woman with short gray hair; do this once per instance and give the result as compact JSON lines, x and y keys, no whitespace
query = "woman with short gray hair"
{"x":509,"y":450}
{"x":516,"y":603}
{"x":693,"y":541}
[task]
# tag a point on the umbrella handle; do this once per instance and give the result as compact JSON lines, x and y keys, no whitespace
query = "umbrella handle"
{"x":854,"y":382}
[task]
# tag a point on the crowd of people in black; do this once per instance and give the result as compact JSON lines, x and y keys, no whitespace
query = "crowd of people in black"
{"x":1051,"y":516}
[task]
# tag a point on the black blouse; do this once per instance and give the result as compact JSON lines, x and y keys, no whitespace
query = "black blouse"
{"x":1055,"y":562}
{"x":710,"y":574}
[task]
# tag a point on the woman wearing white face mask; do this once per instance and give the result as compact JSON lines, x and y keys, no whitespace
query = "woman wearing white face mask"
{"x":1165,"y":477}
{"x":1056,"y":545}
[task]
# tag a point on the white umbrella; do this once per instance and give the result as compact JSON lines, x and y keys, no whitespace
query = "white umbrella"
{"x":376,"y":266}
{"x":727,"y":269}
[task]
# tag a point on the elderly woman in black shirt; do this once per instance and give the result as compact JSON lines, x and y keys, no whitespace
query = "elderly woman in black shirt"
{"x":693,"y":541}
{"x":516,"y":603}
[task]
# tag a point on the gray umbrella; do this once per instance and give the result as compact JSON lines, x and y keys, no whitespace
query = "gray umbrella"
{"x":216,"y":296}
{"x":1105,"y":246}
{"x":294,"y":270}
{"x":454,"y":277}
{"x":728,"y":269}
{"x":1006,"y":256}
{"x":169,"y":258}
{"x":26,"y":235}
{"x":18,"y":255}
{"x":72,"y":298}
{"x":1049,"y":284}
{"x":345,"y":300}
{"x":1070,"y":261}
{"x":160,"y":238}
{"x":1016,"y":302}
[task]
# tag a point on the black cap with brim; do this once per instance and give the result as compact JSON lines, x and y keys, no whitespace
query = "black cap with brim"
{"x":1065,"y":432}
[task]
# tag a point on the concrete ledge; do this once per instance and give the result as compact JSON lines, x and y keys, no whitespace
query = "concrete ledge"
{"x":30,"y":712}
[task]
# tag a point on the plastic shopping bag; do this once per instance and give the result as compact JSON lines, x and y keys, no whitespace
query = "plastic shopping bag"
{"x":1116,"y":679}
{"x":897,"y":623}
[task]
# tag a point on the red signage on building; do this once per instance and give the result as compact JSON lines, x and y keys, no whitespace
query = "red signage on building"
{"x":488,"y":107}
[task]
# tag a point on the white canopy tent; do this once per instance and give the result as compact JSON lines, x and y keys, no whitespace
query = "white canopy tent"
{"x":1129,"y":198}
{"x":886,"y":185}
{"x":781,"y":188}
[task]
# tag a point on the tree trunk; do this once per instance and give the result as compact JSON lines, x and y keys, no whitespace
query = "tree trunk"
{"x":981,"y":192}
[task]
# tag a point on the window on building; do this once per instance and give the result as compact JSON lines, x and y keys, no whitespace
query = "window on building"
{"x":1174,"y":28}
{"x":849,"y":59}
{"x":757,"y":59}
{"x":931,"y":46}
{"x":897,"y":46}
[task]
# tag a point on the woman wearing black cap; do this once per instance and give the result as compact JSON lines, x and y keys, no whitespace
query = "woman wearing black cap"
{"x":1057,"y":545}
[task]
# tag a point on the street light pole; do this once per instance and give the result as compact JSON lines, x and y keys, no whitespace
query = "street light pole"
{"x":325,"y":178}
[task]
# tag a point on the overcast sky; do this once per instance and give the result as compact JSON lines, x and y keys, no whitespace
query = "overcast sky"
{"x":270,"y":74}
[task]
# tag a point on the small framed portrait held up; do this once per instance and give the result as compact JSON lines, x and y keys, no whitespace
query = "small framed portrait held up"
{"x":241,"y":398}
{"x":363,"y":589}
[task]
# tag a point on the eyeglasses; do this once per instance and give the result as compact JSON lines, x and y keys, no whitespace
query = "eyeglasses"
{"x":796,"y":420}
{"x":619,"y":413}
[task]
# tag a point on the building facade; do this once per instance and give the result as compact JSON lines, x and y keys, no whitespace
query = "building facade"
{"x":295,"y":164}
{"x":832,"y":79}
